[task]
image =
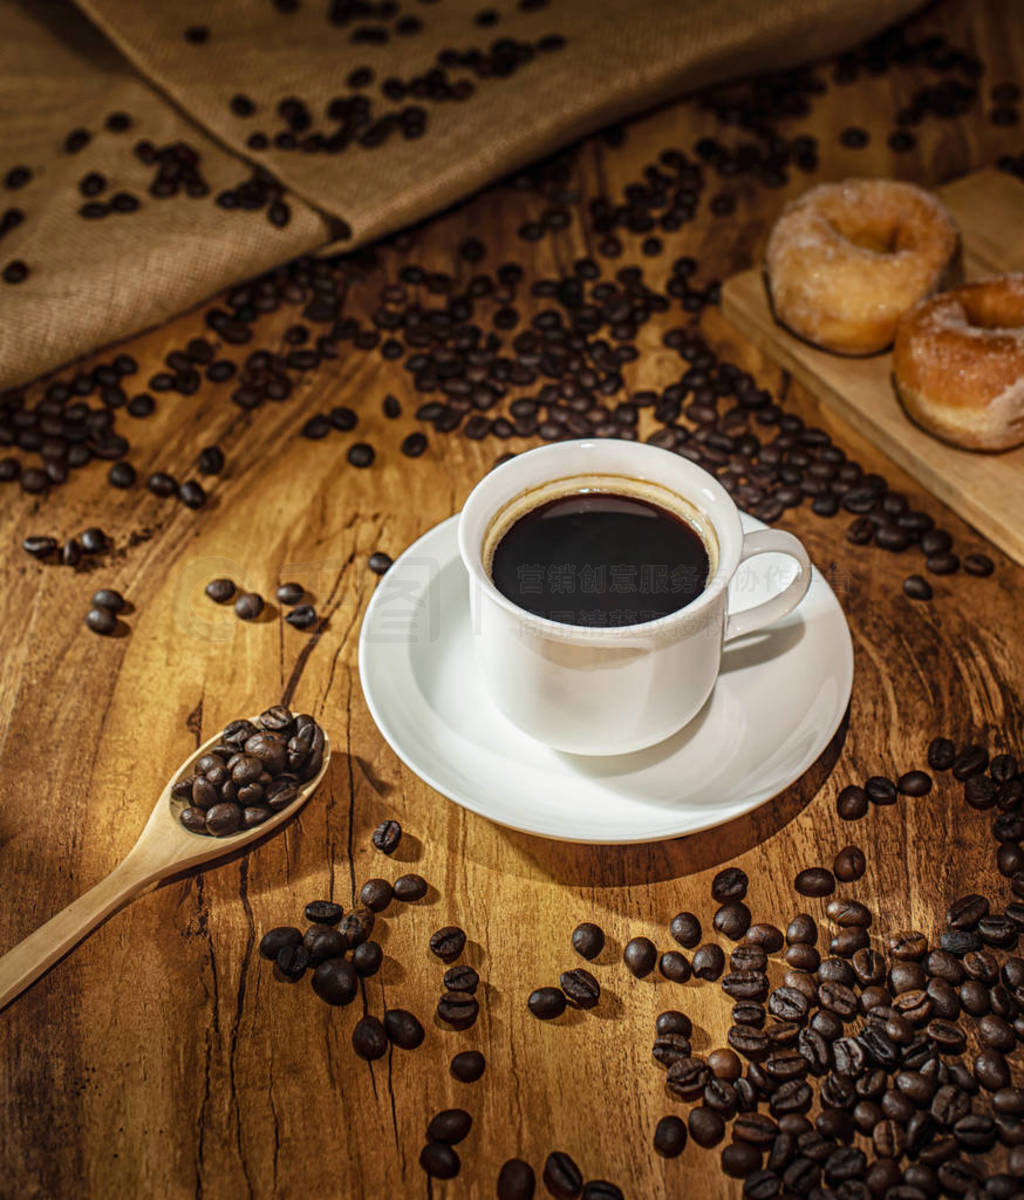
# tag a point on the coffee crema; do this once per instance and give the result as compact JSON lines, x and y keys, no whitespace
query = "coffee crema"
{"x":600,"y":551}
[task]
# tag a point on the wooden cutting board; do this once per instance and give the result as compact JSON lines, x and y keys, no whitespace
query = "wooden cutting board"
{"x":985,"y":489}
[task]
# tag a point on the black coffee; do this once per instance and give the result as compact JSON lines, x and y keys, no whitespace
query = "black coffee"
{"x":600,"y":558}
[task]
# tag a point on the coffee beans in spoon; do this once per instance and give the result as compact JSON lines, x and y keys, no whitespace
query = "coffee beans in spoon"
{"x":254,"y":770}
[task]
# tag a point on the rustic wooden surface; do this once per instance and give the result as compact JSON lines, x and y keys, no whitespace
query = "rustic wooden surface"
{"x":160,"y":1059}
{"x":985,"y":489}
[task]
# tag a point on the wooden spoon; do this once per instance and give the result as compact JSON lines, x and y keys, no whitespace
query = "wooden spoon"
{"x":165,"y":847}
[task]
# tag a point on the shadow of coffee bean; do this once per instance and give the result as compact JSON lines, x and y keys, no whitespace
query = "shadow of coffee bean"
{"x":391,"y":971}
{"x":608,"y":1008}
{"x":409,"y":849}
{"x":381,"y":786}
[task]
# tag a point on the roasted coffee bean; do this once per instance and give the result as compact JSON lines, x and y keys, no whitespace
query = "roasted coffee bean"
{"x":448,"y":943}
{"x":386,"y":836}
{"x":223,"y":819}
{"x":640,"y":956}
{"x":367,"y":958}
{"x":869,"y":966}
{"x":730,"y":884}
{"x":675,"y":966}
{"x":849,"y":913}
{"x":516,"y":1180}
{"x":941,"y":754}
{"x":451,"y":1125}
{"x":755,"y":1129}
{"x":403,"y":1029}
{"x":322,"y":942}
{"x":356,"y":926}
{"x":815,"y":881}
{"x":369,"y":1040}
{"x":908,"y":945}
{"x":706,"y":1126}
{"x":943,"y":965}
{"x":302,"y":617}
{"x":361,"y":455}
{"x":880,"y":790}
{"x":588,"y":940}
{"x":410,"y":888}
{"x":971,"y":761}
{"x":802,"y":929}
{"x":335,"y":981}
{"x":290,"y":962}
{"x":39,"y":546}
{"x":748,"y":957}
{"x":746,"y":985}
{"x":275,"y":940}
{"x":740,"y":1159}
{"x":440,"y":1161}
{"x":802,"y":957}
{"x":672,"y":1021}
{"x":457,"y":1009}
{"x":670,"y":1137}
{"x":580,"y":987}
{"x":461,"y":979}
{"x":850,"y":864}
{"x":708,"y":962}
{"x":788,"y":1004}
{"x":724,"y":1064}
{"x":686,"y":930}
{"x":546,"y":1003}
{"x":101,"y":620}
{"x":562,"y":1177}
{"x":750,"y":1042}
{"x":248,"y":606}
{"x":290,"y":594}
{"x":914,"y":783}
{"x":670,"y":1047}
{"x":194,"y":819}
{"x":837,"y":998}
{"x":687,"y":1078}
{"x":376,"y":894}
{"x":467,"y":1066}
{"x":220,"y":590}
{"x":852,"y":803}
{"x":746,"y":1013}
{"x":732,"y":919}
{"x":999,"y":931}
{"x":991,"y":1070}
{"x":966,"y":912}
{"x":768,"y":937}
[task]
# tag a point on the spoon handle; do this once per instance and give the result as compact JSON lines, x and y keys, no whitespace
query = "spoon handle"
{"x":40,"y":950}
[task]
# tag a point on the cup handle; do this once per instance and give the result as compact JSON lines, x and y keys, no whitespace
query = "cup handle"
{"x":771,"y":541}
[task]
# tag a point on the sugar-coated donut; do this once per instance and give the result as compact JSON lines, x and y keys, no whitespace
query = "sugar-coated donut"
{"x":846,"y":260}
{"x":958,"y":364}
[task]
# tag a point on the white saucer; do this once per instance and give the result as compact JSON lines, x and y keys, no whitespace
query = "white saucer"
{"x":778,"y":701}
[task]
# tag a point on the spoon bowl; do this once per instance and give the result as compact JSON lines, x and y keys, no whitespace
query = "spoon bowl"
{"x":165,"y":847}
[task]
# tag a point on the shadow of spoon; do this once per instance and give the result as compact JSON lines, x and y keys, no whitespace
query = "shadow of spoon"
{"x":165,"y":847}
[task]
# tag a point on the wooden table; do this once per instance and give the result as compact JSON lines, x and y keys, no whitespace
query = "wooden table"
{"x":161,"y":1059}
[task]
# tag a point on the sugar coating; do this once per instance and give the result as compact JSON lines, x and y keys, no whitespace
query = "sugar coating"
{"x":846,"y":260}
{"x":958,"y":363}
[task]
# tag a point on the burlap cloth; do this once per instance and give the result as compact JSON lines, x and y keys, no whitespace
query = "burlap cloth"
{"x":62,"y":67}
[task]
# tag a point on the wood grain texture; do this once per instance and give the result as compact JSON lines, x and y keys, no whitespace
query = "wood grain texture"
{"x":986,"y":489}
{"x":161,"y":1059}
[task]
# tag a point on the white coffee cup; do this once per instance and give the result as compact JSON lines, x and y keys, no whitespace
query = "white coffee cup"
{"x":613,"y":690}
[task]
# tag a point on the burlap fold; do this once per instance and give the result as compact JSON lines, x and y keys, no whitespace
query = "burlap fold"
{"x":498,"y":95}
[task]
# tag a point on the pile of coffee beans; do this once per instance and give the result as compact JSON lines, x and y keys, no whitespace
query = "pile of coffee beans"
{"x":494,"y":354}
{"x":103,"y":611}
{"x":249,"y":606}
{"x":254,"y":770}
{"x":80,"y":552}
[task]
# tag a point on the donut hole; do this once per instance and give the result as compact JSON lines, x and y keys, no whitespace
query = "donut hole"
{"x":878,"y":237}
